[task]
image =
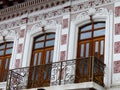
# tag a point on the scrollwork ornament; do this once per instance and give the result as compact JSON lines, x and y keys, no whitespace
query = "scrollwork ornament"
{"x":102,"y":11}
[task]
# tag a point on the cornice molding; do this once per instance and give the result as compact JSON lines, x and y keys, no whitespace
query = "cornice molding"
{"x":38,"y":5}
{"x":28,"y":7}
{"x":51,"y":14}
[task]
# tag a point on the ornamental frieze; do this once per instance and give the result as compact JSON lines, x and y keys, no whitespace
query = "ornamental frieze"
{"x":55,"y":13}
{"x":37,"y":5}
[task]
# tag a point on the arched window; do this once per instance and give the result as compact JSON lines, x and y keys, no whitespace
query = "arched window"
{"x":91,"y":40}
{"x":42,"y":57}
{"x":5,"y":55}
{"x":42,"y":52}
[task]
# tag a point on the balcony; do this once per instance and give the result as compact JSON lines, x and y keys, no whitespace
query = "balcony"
{"x":84,"y":70}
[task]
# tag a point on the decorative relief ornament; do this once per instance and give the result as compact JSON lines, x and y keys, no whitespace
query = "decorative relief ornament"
{"x":6,"y":32}
{"x":79,"y":7}
{"x":91,"y":11}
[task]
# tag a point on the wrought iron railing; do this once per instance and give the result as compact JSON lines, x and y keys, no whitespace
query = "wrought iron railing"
{"x":90,"y":69}
{"x":64,"y":72}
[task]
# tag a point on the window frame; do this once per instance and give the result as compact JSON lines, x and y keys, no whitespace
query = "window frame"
{"x":5,"y":58}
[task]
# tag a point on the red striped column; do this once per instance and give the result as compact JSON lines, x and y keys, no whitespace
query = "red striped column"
{"x":20,"y":43}
{"x":116,"y":54}
{"x":64,"y":45}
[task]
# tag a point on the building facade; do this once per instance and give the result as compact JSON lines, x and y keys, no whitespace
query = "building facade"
{"x":60,"y":45}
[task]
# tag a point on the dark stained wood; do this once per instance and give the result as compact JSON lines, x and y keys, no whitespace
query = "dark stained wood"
{"x":90,"y":46}
{"x":42,"y":56}
{"x":5,"y":60}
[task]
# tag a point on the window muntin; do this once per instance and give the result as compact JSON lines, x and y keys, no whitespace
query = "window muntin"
{"x":86,"y":28}
{"x":102,"y":47}
{"x":98,"y":33}
{"x":94,"y":36}
{"x":5,"y":55}
{"x":88,"y":31}
{"x":39,"y":45}
{"x":91,"y":44}
{"x":41,"y":38}
{"x":44,"y":41}
{"x":50,"y":36}
{"x":2,"y":46}
{"x":87,"y":49}
{"x":99,"y":25}
{"x":49,"y":43}
{"x":86,"y":35}
{"x":6,"y":48}
{"x":42,"y":57}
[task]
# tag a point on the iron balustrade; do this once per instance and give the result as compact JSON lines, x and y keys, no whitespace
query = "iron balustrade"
{"x":58,"y":73}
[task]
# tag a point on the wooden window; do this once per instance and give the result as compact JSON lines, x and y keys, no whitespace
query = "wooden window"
{"x":42,"y":57}
{"x":5,"y":55}
{"x":91,"y":40}
{"x":43,"y":49}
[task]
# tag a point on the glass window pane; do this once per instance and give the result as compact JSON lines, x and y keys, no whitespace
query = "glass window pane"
{"x":87,"y":49}
{"x":82,"y":50}
{"x":49,"y":36}
{"x":8,"y":51}
{"x":99,"y":25}
{"x":40,"y":38}
{"x":33,"y":75}
{"x":85,"y":67}
{"x":1,"y":52}
{"x":47,"y":57}
{"x":101,"y":47}
{"x":51,"y":56}
{"x":99,"y":33}
{"x":0,"y":62}
{"x":39,"y":45}
{"x":45,"y":73}
{"x":86,"y":28}
{"x":86,"y":35}
{"x":35,"y":59}
{"x":9,"y":45}
{"x":2,"y":46}
{"x":49,"y":43}
{"x":6,"y":63}
{"x":96,"y":46}
{"x":37,"y":69}
{"x":39,"y":58}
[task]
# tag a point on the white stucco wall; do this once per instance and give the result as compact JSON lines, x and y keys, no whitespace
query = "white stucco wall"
{"x":33,"y":29}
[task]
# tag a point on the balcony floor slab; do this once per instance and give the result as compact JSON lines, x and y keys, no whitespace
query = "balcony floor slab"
{"x":74,"y":86}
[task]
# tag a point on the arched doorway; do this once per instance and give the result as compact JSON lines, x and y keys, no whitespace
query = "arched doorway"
{"x":91,"y":43}
{"x":5,"y":56}
{"x":41,"y":60}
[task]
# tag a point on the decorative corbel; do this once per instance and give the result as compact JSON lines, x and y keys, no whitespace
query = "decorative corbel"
{"x":44,"y":22}
{"x":4,"y":38}
{"x":91,"y":12}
